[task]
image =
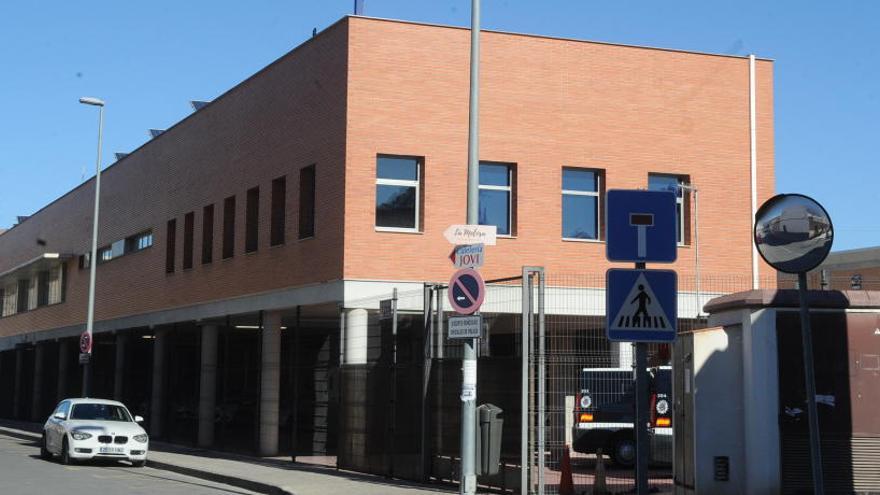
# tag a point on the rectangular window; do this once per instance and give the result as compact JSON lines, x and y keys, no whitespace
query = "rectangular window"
{"x":496,"y":196}
{"x":278,"y":220}
{"x":307,"y":202}
{"x":581,"y":203}
{"x":84,"y":261}
{"x":138,"y":242}
{"x":170,"y":247}
{"x":43,"y":288}
{"x":252,"y":220}
{"x":228,"y":227}
{"x":397,"y":193}
{"x":207,"y":234}
{"x":105,"y":254}
{"x":23,"y":289}
{"x":10,"y":297}
{"x":674,"y":183}
{"x":188,"y":226}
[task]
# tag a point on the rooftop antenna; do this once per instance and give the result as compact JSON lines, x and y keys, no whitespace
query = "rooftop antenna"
{"x":358,"y":7}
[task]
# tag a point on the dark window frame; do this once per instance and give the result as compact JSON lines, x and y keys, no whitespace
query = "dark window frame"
{"x":208,"y":234}
{"x":510,"y":189}
{"x":418,"y":184}
{"x":308,"y":181}
{"x":252,"y":220}
{"x":189,"y":221}
{"x":682,"y":202}
{"x":228,"y":227}
{"x":599,"y":194}
{"x":170,"y":244}
{"x":278,"y":219}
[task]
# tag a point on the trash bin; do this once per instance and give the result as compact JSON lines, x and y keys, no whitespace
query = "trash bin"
{"x":488,"y":444}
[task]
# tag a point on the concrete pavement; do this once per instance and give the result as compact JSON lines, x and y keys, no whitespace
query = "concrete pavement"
{"x":255,"y":474}
{"x":23,"y":472}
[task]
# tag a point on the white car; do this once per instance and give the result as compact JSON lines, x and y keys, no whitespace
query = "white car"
{"x":85,"y":429}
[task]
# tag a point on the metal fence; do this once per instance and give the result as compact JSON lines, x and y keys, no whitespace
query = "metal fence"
{"x":543,"y":332}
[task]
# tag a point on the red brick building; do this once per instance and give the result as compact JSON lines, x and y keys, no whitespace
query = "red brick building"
{"x":329,"y":176}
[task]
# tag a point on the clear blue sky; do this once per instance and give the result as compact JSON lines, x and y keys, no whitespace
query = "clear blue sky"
{"x":148,"y":59}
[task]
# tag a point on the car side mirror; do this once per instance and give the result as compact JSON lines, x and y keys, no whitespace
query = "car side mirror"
{"x":59,"y":415}
{"x":138,"y":419}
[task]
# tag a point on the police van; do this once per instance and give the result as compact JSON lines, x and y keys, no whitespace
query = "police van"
{"x":604,"y":414}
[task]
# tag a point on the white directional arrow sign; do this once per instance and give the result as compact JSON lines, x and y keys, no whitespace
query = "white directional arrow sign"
{"x":471,"y":234}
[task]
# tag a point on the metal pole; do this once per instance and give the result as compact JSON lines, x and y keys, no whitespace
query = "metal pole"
{"x":93,"y":262}
{"x":697,"y":245}
{"x":392,"y":430}
{"x":468,"y":481}
{"x":427,"y":309}
{"x":525,"y":464}
{"x":810,"y":382}
{"x":542,"y":384}
{"x":642,"y":405}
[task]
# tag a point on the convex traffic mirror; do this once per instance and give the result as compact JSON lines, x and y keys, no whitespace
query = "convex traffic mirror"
{"x":793,"y":233}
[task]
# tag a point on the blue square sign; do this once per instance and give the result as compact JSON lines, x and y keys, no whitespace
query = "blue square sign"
{"x":641,"y":305}
{"x":641,"y":226}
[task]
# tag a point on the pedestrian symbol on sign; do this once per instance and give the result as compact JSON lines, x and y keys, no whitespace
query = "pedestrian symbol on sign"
{"x":641,"y":305}
{"x":641,"y":311}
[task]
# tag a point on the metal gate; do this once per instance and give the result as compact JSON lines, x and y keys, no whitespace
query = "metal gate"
{"x":567,"y":358}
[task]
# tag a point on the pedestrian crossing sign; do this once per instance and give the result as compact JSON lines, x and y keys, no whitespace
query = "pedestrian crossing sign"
{"x":640,"y":305}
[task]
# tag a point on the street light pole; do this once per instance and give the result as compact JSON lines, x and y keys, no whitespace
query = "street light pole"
{"x":93,"y":262}
{"x":468,"y":481}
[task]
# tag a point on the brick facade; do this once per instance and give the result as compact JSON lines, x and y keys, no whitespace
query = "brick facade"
{"x":365,"y":87}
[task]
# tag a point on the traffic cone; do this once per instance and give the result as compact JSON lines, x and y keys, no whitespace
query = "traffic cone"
{"x":566,"y":484}
{"x":599,"y":487}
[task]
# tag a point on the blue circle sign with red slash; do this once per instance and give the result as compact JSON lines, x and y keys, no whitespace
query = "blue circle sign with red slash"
{"x":466,"y":291}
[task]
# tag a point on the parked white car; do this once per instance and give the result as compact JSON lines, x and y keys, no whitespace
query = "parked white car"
{"x":85,"y":429}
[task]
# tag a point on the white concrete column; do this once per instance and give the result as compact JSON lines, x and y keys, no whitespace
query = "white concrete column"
{"x":37,"y":394}
{"x":19,"y":379}
{"x":208,"y":385}
{"x":157,"y":400}
{"x":119,"y":366}
{"x":63,"y":363}
{"x":356,"y":328}
{"x":760,"y":403}
{"x":270,"y":380}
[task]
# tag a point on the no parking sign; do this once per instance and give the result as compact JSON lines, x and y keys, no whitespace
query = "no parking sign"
{"x":466,"y":291}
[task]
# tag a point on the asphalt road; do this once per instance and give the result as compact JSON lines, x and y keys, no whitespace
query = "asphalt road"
{"x":22,"y":472}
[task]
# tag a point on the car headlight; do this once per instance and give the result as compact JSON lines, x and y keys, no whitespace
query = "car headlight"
{"x":586,"y":402}
{"x":662,"y":406}
{"x":80,"y":435}
{"x":141,"y":438}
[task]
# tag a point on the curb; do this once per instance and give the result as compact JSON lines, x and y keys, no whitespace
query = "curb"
{"x":254,"y":486}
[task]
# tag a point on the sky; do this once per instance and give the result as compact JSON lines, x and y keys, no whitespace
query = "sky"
{"x":147,"y":60}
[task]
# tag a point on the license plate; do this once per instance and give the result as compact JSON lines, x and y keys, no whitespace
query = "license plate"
{"x":111,"y":450}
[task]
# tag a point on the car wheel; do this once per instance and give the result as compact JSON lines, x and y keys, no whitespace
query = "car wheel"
{"x":44,"y":452}
{"x":623,"y":451}
{"x":138,"y":464}
{"x":65,"y":452}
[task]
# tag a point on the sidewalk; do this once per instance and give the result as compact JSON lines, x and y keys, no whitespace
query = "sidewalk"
{"x":272,"y":476}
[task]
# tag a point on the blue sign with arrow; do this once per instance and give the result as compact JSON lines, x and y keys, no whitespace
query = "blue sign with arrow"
{"x":641,"y":305}
{"x":641,"y":226}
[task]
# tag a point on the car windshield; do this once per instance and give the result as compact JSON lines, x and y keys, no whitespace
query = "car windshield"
{"x":100,"y":412}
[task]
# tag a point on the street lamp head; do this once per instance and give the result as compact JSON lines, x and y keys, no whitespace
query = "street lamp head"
{"x":88,"y":100}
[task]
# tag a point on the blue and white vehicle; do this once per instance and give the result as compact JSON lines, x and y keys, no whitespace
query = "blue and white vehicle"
{"x":86,"y":429}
